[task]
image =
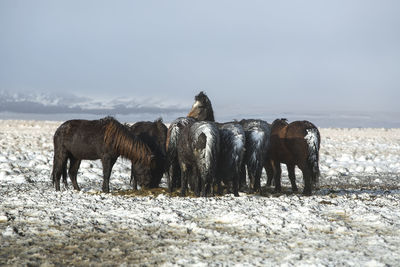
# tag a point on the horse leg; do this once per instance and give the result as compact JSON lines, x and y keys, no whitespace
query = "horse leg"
{"x":277,"y":175}
{"x":218,"y":184}
{"x":64,"y":175}
{"x":198,"y":183}
{"x":254,"y":176}
{"x":59,"y":165}
{"x":235,"y":184}
{"x":206,"y":186}
{"x":133,"y":181}
{"x":292,"y":176}
{"x":184,"y":179}
{"x":307,"y":181}
{"x":170,"y":180}
{"x":203,"y":189}
{"x":269,"y":171}
{"x":73,"y":171}
{"x":174,"y":177}
{"x":108,"y":163}
{"x":257,"y":179}
{"x":242,"y":176}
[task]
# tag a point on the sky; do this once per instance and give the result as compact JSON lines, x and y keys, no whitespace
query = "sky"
{"x":308,"y":55}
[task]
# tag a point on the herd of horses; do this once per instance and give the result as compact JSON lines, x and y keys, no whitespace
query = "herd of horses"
{"x":195,"y":152}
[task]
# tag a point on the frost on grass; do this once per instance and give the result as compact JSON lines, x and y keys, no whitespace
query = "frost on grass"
{"x":354,"y":219}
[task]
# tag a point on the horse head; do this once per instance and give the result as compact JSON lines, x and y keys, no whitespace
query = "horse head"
{"x":202,"y":109}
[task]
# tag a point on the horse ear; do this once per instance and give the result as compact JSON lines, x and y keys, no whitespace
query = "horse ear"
{"x":161,"y":126}
{"x":200,"y":96}
{"x":159,"y":120}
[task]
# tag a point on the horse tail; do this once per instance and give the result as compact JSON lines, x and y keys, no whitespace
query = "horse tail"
{"x":172,"y":144}
{"x":313,"y":140}
{"x":208,"y":140}
{"x":255,"y":160}
{"x":239,"y":143}
{"x":126,"y":144}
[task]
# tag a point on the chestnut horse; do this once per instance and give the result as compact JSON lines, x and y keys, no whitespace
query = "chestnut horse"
{"x":154,"y":134}
{"x":295,"y":143}
{"x":105,"y":139}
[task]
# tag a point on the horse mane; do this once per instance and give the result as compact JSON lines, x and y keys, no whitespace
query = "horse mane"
{"x":129,"y":146}
{"x":160,"y":125}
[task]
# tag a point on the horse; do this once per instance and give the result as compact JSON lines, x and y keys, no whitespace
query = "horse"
{"x":257,"y":142}
{"x":295,"y":143}
{"x":232,"y":142}
{"x":154,"y":134}
{"x":105,"y":139}
{"x":173,"y":135}
{"x":174,"y":132}
{"x":198,"y":150}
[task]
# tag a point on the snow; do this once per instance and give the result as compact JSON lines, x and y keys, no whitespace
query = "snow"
{"x":353,"y":219}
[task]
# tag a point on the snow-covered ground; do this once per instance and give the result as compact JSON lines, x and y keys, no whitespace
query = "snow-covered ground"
{"x":354,"y":219}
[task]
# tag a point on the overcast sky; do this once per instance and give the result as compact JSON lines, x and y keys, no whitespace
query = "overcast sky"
{"x":278,"y":55}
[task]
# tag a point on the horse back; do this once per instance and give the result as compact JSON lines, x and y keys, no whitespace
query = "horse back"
{"x":297,"y":140}
{"x":83,"y":139}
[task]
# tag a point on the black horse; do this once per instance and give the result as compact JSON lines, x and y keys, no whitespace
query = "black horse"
{"x":257,"y":142}
{"x":173,"y":134}
{"x":295,"y":143}
{"x":154,"y":134}
{"x":232,"y":142}
{"x":104,"y":139}
{"x":198,"y":150}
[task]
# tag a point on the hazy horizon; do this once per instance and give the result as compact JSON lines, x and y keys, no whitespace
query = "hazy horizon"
{"x":276,"y":56}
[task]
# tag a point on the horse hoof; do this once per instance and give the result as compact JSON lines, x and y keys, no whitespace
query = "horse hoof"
{"x":277,"y":190}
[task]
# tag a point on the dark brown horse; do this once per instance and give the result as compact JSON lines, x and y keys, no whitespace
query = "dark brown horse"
{"x":295,"y":144}
{"x":104,"y":139}
{"x":154,"y":134}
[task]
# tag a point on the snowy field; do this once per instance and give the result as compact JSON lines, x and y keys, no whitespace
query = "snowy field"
{"x":353,"y":220}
